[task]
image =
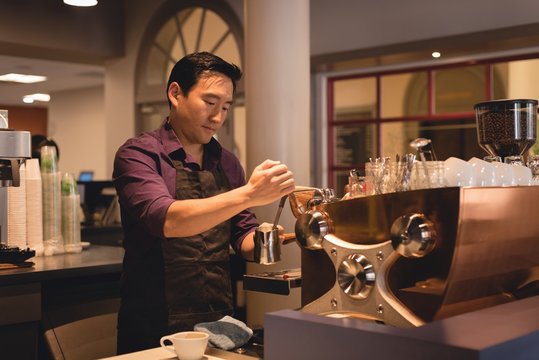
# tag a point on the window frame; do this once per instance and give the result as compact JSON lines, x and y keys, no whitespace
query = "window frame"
{"x":330,"y":123}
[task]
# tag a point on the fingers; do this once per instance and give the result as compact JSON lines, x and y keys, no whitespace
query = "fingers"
{"x":267,"y":164}
{"x":270,"y":181}
{"x":281,"y":177}
{"x":288,"y":187}
{"x":285,"y":180}
{"x":277,"y":169}
{"x":277,"y":172}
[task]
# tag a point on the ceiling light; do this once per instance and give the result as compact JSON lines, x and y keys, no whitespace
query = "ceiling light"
{"x":29,"y":99}
{"x":436,"y":54}
{"x":22,"y":78}
{"x":84,"y":3}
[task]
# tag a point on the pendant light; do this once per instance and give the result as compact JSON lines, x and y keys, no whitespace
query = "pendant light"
{"x":84,"y":3}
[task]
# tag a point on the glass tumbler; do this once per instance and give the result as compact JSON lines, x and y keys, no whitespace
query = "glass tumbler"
{"x":514,"y":160}
{"x":492,"y":158}
{"x":533,"y":164}
{"x":430,"y":177}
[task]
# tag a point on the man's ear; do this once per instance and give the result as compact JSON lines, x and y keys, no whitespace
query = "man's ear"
{"x":174,"y":91}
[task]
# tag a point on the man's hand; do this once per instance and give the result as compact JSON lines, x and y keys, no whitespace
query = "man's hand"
{"x":270,"y":181}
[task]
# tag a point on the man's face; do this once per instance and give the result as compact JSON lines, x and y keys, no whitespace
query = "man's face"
{"x":197,"y":116}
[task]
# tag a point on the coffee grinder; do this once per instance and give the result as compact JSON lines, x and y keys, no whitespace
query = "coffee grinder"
{"x":506,"y":127}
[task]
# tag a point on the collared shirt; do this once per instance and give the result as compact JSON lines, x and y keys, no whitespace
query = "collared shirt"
{"x":145,"y":180}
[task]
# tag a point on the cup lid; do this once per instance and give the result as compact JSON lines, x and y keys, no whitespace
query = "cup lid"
{"x":502,"y":104}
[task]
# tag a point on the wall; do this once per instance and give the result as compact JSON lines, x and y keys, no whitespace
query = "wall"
{"x":523,"y":79}
{"x":77,"y":124}
{"x":33,"y":119}
{"x":343,"y":25}
{"x":120,"y":79}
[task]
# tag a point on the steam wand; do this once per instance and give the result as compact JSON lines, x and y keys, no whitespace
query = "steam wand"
{"x":279,"y":210}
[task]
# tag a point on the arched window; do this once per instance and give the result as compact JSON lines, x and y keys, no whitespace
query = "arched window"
{"x":179,"y":28}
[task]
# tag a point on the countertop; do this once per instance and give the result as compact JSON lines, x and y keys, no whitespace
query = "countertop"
{"x":162,"y":354}
{"x":93,"y":261}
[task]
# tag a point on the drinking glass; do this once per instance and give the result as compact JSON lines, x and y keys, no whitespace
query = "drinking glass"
{"x":430,"y":179}
{"x":533,"y":164}
{"x":492,"y":158}
{"x":356,"y":186}
{"x":514,"y":160}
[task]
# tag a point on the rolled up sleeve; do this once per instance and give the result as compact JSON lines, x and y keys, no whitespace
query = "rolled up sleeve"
{"x":141,"y":187}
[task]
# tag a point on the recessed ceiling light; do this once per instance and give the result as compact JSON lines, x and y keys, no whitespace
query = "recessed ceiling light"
{"x":29,"y":99}
{"x":84,"y":3}
{"x":436,"y":54}
{"x":22,"y":78}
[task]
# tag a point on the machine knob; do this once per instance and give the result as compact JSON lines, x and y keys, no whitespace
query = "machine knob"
{"x":310,"y":229}
{"x":356,"y":276}
{"x":413,"y":236}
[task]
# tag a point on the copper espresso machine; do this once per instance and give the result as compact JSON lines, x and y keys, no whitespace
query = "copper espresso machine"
{"x":409,"y":258}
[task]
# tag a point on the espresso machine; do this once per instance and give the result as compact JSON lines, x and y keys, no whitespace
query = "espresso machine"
{"x":15,"y":148}
{"x":405,"y":259}
{"x":412,"y":257}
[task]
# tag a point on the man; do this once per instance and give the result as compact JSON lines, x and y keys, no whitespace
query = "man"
{"x":183,"y":200}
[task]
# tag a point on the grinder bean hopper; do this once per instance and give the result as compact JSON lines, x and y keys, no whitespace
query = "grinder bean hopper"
{"x":506,"y":127}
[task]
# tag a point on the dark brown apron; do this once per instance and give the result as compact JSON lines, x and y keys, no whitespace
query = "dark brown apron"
{"x":181,"y":281}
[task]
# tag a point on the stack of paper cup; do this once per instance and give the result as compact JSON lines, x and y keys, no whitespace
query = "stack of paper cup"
{"x":70,"y":214}
{"x":16,"y":212}
{"x":52,"y":220}
{"x":34,"y":207}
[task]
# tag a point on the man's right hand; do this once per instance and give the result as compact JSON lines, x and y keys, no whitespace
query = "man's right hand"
{"x":270,"y":181}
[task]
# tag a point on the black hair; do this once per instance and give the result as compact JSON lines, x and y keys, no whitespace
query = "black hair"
{"x":39,"y":141}
{"x":189,"y":69}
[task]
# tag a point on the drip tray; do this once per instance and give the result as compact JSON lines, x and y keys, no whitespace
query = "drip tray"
{"x":273,"y":282}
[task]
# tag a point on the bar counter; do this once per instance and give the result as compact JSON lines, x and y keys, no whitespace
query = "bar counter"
{"x":35,"y":302}
{"x":164,"y":354}
{"x":93,"y":261}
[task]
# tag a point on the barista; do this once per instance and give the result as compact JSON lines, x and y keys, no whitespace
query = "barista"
{"x":183,"y":200}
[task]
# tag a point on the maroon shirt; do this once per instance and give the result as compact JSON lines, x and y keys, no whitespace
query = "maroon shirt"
{"x":145,"y":179}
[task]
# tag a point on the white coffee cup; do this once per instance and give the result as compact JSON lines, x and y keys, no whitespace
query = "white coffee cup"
{"x":505,"y":175}
{"x":484,"y":172}
{"x":523,"y":175}
{"x":187,"y":345}
{"x":458,"y":172}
